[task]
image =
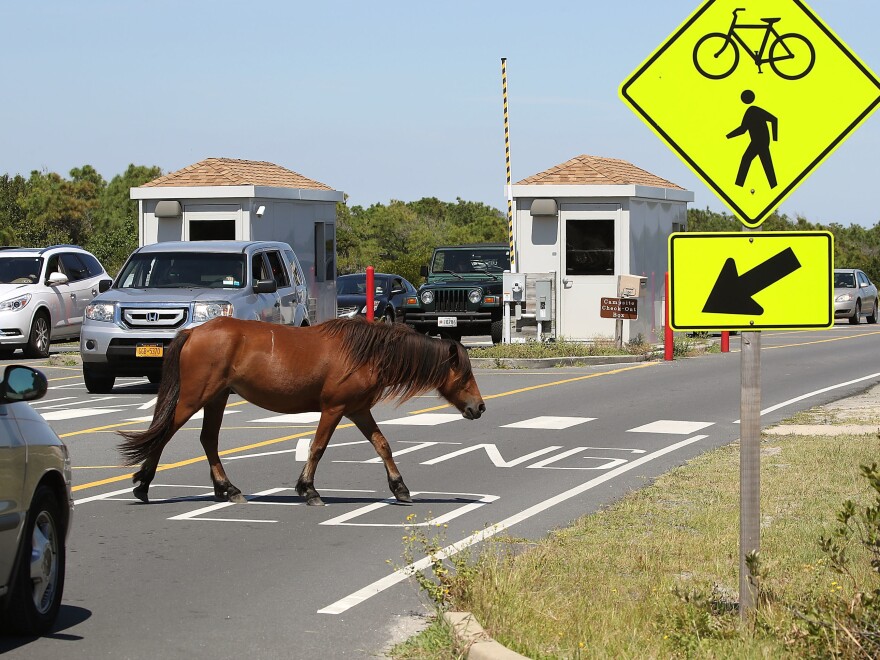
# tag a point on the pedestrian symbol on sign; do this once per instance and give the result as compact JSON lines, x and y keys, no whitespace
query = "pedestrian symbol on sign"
{"x":755,"y":122}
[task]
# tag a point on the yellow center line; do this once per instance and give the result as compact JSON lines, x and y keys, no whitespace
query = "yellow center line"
{"x":818,"y":341}
{"x":542,"y":385}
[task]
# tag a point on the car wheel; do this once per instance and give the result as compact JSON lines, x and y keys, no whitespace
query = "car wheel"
{"x":39,"y":580}
{"x":38,"y":340}
{"x":856,"y":318}
{"x":873,"y":316}
{"x":98,"y":382}
{"x":154,"y":378}
{"x":496,"y":331}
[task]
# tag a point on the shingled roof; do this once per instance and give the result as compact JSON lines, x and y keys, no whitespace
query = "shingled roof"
{"x":234,"y":172}
{"x":597,"y":171}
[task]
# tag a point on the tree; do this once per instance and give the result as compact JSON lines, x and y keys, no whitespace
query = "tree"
{"x":115,"y":227}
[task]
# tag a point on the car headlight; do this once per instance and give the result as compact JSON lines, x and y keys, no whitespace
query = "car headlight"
{"x":475,"y":296}
{"x":209,"y":310}
{"x":844,"y":297}
{"x":15,"y":304}
{"x":375,"y":307}
{"x":101,"y":312}
{"x":427,"y":297}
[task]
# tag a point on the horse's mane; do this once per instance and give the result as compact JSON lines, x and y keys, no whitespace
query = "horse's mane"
{"x":404,"y":362}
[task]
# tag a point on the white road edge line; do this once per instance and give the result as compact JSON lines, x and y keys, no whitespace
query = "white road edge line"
{"x":814,"y":393}
{"x":402,"y":574}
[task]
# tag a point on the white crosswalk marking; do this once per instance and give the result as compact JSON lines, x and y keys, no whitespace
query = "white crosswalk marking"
{"x":297,"y":418}
{"x":56,"y":415}
{"x":548,"y":422}
{"x":671,"y":426}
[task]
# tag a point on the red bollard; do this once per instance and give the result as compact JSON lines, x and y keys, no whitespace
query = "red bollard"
{"x":725,"y":342}
{"x":371,"y":292}
{"x":668,"y":340}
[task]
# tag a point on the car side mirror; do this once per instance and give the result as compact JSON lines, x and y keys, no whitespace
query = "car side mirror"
{"x":22,"y":383}
{"x":103,"y":285}
{"x":56,"y":278}
{"x":265,"y":286}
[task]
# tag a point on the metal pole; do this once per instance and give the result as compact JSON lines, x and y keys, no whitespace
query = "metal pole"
{"x":749,"y":466}
{"x":508,"y":190}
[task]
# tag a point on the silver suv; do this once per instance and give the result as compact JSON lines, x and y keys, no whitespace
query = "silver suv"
{"x":165,"y":287}
{"x":43,"y":296}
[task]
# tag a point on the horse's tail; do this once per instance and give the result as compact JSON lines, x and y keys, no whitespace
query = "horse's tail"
{"x":139,"y":445}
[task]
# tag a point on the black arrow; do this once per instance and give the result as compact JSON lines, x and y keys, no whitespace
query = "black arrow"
{"x":732,"y":293}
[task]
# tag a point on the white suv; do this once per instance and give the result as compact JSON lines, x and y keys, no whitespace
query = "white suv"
{"x":43,"y":296}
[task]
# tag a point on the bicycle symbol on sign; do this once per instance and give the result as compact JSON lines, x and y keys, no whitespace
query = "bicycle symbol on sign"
{"x":791,"y":55}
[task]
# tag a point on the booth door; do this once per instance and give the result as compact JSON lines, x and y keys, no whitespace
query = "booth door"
{"x":588,"y":272}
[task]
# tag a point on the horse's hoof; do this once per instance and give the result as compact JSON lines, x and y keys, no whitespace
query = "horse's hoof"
{"x":403,"y":498}
{"x":315,"y":501}
{"x":142,"y":494}
{"x":238,"y":498}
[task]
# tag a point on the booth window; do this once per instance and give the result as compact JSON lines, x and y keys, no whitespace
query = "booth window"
{"x":589,"y":247}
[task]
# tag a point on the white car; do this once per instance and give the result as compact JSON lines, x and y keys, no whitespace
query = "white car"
{"x":35,"y":507}
{"x":43,"y":296}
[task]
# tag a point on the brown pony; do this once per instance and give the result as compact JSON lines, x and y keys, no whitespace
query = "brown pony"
{"x":339,"y":368}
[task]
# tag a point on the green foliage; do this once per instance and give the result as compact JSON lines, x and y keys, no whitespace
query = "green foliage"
{"x":398,"y":238}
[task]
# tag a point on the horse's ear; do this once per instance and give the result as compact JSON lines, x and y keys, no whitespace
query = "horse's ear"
{"x":453,"y":353}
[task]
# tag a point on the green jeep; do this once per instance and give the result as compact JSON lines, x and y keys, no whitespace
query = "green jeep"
{"x":462,"y":294}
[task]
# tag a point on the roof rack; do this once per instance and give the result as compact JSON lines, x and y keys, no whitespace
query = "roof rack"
{"x":10,"y":247}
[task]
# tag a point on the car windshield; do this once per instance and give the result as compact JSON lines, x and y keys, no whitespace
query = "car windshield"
{"x":174,"y":270}
{"x":844,"y":281}
{"x":20,"y":270}
{"x":357,"y":286}
{"x":471,"y":261}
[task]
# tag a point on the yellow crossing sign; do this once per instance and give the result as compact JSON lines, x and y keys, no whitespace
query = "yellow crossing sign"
{"x":753,"y":95}
{"x":751,"y":281}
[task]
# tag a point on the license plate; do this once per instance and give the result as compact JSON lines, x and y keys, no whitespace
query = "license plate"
{"x":447,"y":322}
{"x":148,"y":350}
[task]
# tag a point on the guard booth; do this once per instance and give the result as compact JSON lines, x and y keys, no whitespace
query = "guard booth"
{"x":242,"y":200}
{"x":583,"y":224}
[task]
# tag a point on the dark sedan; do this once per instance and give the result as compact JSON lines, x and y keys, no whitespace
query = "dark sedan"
{"x":391,"y":291}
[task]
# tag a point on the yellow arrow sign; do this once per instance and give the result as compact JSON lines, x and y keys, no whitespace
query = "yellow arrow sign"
{"x":753,"y":95}
{"x":751,"y":281}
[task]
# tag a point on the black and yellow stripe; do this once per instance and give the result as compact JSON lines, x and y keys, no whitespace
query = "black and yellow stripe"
{"x":508,"y":191}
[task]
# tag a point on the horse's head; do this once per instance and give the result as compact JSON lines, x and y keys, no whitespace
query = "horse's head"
{"x":460,"y":387}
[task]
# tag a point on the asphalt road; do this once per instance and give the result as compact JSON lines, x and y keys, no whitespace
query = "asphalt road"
{"x":187,"y":577}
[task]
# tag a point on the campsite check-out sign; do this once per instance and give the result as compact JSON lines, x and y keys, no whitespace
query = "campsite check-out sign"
{"x":753,"y":95}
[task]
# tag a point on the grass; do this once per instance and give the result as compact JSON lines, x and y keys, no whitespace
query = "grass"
{"x":561,"y":348}
{"x":656,"y":574}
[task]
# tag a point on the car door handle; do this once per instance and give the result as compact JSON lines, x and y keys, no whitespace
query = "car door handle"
{"x":277,"y":304}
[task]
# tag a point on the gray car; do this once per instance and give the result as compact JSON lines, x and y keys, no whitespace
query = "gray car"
{"x":35,"y":507}
{"x":165,"y":287}
{"x":854,"y":295}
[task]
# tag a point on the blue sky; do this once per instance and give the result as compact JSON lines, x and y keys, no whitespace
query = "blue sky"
{"x":382,"y":100}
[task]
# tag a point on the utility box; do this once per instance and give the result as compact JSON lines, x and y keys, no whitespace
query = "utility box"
{"x":513,"y":287}
{"x":630,"y":286}
{"x":532,"y":316}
